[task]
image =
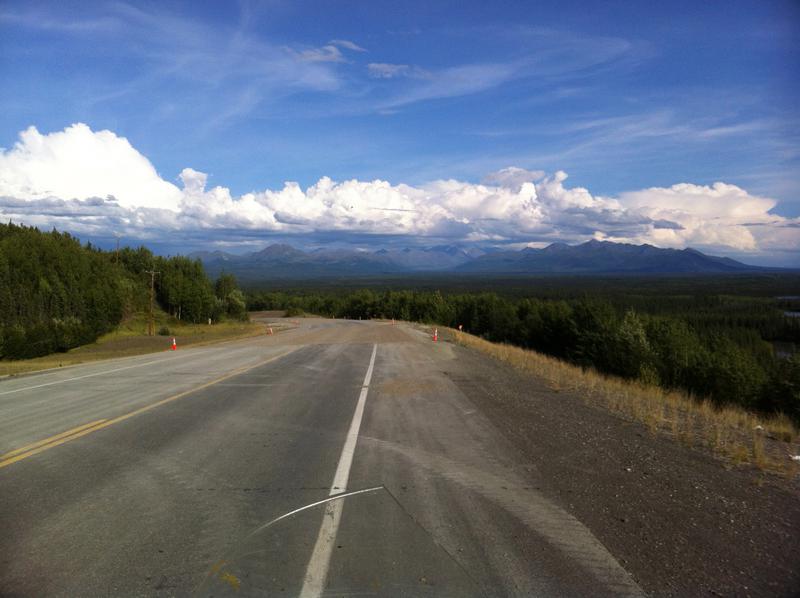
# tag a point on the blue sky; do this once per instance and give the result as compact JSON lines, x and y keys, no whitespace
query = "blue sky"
{"x":623,"y":96}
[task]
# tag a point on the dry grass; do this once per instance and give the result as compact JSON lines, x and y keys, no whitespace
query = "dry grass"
{"x":130,"y":338}
{"x":730,"y":432}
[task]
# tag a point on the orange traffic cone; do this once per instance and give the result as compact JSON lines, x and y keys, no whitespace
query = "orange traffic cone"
{"x":435,"y":334}
{"x":270,"y":330}
{"x":174,"y":344}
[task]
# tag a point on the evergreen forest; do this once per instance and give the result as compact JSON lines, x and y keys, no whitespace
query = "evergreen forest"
{"x":56,"y":294}
{"x":731,"y":340}
{"x":730,"y":348}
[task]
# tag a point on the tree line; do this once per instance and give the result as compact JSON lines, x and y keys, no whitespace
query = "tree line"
{"x":56,"y":294}
{"x":711,"y":347}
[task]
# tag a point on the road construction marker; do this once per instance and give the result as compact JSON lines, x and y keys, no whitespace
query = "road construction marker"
{"x":435,"y":334}
{"x":174,"y":344}
{"x":53,"y":441}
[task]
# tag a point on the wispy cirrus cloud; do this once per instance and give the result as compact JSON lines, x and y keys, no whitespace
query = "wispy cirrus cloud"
{"x":41,"y":21}
{"x":538,"y":55}
{"x":330,"y":52}
{"x":665,"y":122}
{"x":349,"y":45}
{"x":655,"y":132}
{"x":201,"y":63}
{"x":454,"y":82}
{"x":384,"y":70}
{"x":212,"y":62}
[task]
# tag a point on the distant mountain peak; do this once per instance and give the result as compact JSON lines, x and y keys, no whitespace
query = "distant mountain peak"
{"x":277,"y":251}
{"x":591,"y":257}
{"x":603,"y":257}
{"x":278,"y":248}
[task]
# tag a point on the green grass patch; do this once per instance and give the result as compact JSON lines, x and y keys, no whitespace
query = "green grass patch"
{"x":130,"y":338}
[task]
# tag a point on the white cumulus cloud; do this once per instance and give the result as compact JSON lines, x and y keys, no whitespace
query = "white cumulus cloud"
{"x":96,"y":183}
{"x":78,"y":163}
{"x":513,"y":177}
{"x":716,"y":215}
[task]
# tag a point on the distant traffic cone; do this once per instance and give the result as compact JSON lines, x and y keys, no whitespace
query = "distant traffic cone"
{"x":174,"y":344}
{"x":435,"y":334}
{"x":270,"y":330}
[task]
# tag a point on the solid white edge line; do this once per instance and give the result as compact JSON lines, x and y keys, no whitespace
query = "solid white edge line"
{"x":318,"y":564}
{"x":127,"y":367}
{"x":89,"y":364}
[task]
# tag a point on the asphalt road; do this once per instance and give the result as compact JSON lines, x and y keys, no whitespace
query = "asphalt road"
{"x":335,"y":458}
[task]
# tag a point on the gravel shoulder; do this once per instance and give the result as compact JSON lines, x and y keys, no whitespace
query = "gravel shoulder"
{"x":679,"y":520}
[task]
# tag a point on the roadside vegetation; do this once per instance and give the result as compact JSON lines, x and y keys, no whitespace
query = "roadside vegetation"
{"x":703,"y":355}
{"x":716,"y":349}
{"x":57,"y":294}
{"x":129,"y":339}
{"x":737,"y":435}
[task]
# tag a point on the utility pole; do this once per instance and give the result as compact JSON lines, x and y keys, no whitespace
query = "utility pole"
{"x":151,"y":325}
{"x":116,"y":256}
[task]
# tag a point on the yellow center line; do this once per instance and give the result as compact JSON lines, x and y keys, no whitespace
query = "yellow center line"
{"x":33,"y":445}
{"x":53,"y":441}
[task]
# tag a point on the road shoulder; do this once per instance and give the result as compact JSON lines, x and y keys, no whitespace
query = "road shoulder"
{"x":114,"y":346}
{"x":678,"y":521}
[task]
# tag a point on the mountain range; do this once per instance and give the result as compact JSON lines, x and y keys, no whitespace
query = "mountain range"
{"x":592,"y":257}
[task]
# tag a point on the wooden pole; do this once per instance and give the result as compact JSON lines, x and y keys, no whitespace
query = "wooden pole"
{"x":151,"y":324}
